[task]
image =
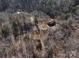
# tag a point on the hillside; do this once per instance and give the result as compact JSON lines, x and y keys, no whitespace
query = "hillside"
{"x":39,"y":28}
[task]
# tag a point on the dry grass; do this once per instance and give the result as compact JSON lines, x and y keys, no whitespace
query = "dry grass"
{"x":19,"y":37}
